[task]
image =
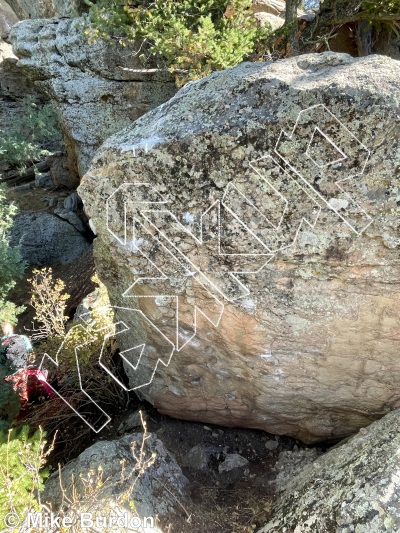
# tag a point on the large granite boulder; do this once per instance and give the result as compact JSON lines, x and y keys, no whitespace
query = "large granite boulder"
{"x":353,"y":488}
{"x":272,"y":12}
{"x":98,"y":88}
{"x":248,"y":231}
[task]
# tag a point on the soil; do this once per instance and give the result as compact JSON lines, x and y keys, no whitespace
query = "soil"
{"x":236,"y":502}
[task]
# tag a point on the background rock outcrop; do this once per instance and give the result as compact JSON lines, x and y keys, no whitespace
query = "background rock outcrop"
{"x":354,"y":487}
{"x":7,"y":19}
{"x":47,"y":239}
{"x":272,"y":12}
{"x":38,"y":9}
{"x":264,"y":200}
{"x":98,"y":88}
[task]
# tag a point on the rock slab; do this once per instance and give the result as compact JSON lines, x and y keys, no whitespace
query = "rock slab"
{"x":45,"y":239}
{"x":353,"y":488}
{"x":155,"y":491}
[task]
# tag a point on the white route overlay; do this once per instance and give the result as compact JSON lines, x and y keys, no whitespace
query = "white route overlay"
{"x":140,"y":219}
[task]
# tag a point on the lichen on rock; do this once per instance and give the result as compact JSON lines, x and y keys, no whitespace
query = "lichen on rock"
{"x":352,"y":488}
{"x":265,"y":201}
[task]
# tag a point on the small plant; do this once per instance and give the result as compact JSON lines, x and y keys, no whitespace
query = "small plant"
{"x":22,"y":472}
{"x":33,"y":136}
{"x":90,"y":490}
{"x":76,"y":370}
{"x":49,"y":299}
{"x":192,"y":37}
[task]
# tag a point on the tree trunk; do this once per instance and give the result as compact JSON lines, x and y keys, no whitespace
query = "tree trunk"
{"x":290,"y":18}
{"x":291,"y":11}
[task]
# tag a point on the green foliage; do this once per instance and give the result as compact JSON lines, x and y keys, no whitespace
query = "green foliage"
{"x":49,"y":300}
{"x":11,"y":266}
{"x":382,"y":14}
{"x":81,"y":368}
{"x":31,"y":135}
{"x":381,"y":8}
{"x":22,"y":458}
{"x":192,"y":37}
{"x":89,"y":336}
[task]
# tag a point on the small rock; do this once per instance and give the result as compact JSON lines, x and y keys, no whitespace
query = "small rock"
{"x":291,"y":463}
{"x":52,"y":201}
{"x":132,"y":422}
{"x":43,"y":179}
{"x":272,"y":444}
{"x":232,"y":462}
{"x":199,"y":456}
{"x":72,"y":202}
{"x":23,"y":187}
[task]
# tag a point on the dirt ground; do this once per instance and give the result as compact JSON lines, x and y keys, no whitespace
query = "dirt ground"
{"x":235,"y":502}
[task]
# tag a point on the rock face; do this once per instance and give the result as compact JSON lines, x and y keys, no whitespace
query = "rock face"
{"x":99,"y":88}
{"x":7,"y":19}
{"x":46,"y":239}
{"x":5,"y":51}
{"x":154,"y":493}
{"x":253,"y":221}
{"x":12,"y":82}
{"x":272,"y":12}
{"x":269,"y":12}
{"x":354,"y":487}
{"x":26,"y":9}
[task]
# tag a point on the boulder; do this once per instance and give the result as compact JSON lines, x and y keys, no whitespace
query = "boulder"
{"x":354,"y":487}
{"x":154,"y":489}
{"x":7,"y":19}
{"x":267,"y":18}
{"x":45,"y":239}
{"x":248,"y":232}
{"x":5,"y":51}
{"x":39,"y":9}
{"x":273,"y":7}
{"x":98,"y":88}
{"x":12,"y":81}
{"x":61,"y":174}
